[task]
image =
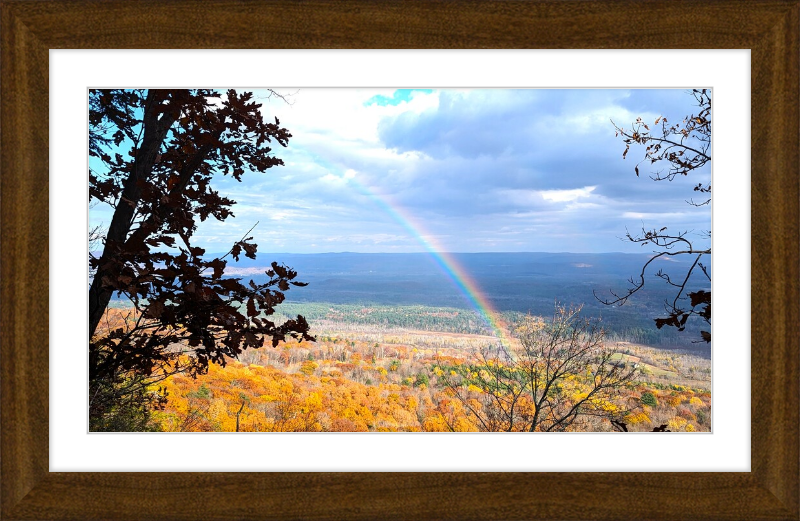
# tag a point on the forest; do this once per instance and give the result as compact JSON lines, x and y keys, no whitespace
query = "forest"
{"x":387,"y":369}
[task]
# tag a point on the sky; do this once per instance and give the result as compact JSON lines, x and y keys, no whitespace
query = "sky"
{"x":497,"y":170}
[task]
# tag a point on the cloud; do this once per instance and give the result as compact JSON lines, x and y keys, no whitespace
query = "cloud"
{"x":482,"y":170}
{"x":567,"y":195}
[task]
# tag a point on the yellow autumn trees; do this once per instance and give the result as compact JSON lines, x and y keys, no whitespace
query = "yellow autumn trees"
{"x":552,"y":376}
{"x":269,"y":400}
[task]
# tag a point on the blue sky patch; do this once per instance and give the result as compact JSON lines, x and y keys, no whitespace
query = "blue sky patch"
{"x":399,"y":96}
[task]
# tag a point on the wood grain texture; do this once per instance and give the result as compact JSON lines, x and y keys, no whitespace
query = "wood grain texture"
{"x":775,"y":250}
{"x":30,"y":28}
{"x":24,"y":264}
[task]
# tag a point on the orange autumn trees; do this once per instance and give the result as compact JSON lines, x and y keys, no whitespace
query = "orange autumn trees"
{"x":267,"y":399}
{"x":375,"y":385}
{"x":270,"y":398}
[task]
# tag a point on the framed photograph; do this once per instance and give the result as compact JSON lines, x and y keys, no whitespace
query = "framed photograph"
{"x":738,"y":470}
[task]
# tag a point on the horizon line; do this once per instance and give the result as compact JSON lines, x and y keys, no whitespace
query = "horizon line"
{"x":444,"y":252}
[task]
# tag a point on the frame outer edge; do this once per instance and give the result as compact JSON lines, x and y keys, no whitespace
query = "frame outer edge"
{"x":24,"y":264}
{"x":774,"y":260}
{"x":24,"y":226}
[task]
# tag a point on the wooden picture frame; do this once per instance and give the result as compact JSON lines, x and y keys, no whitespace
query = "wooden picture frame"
{"x":30,"y":28}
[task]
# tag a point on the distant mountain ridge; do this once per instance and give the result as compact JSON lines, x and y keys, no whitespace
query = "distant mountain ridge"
{"x":524,"y":282}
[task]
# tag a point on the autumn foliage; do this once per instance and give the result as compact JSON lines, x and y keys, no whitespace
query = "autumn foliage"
{"x":340,"y":385}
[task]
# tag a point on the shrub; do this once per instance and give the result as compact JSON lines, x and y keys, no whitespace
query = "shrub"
{"x":640,"y":417}
{"x":677,"y":423}
{"x":702,"y":417}
{"x":649,"y":398}
{"x":124,"y":404}
{"x":674,"y":400}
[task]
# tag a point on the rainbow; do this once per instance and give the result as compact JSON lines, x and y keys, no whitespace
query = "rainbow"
{"x":451,"y":268}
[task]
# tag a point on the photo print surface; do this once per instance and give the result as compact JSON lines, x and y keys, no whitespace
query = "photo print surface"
{"x":411,"y":259}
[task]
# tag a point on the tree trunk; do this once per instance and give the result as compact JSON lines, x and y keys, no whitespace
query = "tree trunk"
{"x":155,"y":130}
{"x":237,"y":416}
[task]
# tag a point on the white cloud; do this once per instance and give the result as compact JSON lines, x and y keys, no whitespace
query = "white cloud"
{"x":561,"y":196}
{"x":654,"y":216}
{"x":330,"y":178}
{"x":340,"y":113}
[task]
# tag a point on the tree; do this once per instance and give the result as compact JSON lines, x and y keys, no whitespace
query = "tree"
{"x":681,"y":149}
{"x":558,"y":378}
{"x":153,"y":156}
